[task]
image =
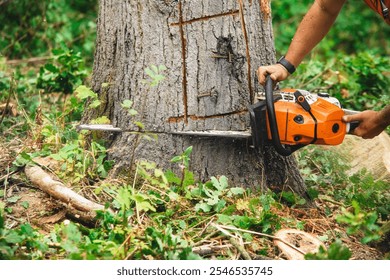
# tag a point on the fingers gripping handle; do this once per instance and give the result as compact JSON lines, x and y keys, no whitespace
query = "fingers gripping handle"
{"x":282,"y":150}
{"x":353,"y":124}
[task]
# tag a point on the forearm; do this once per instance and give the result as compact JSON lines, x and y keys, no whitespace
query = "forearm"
{"x":384,"y":116}
{"x":313,"y":28}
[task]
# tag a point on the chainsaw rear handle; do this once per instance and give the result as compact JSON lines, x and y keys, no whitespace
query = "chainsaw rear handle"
{"x":285,"y":150}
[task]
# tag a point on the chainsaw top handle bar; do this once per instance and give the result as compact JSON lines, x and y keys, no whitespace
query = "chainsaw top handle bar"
{"x":285,"y":150}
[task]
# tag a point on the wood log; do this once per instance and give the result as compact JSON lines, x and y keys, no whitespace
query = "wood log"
{"x":370,"y":154}
{"x":59,"y":191}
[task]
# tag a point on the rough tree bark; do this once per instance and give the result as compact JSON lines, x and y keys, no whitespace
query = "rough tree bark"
{"x":211,"y":50}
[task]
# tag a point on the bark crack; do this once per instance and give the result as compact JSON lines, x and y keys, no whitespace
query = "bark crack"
{"x":184,"y":68}
{"x":248,"y":57}
{"x":205,"y":18}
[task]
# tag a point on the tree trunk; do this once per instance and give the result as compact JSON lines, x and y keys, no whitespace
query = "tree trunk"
{"x":211,"y":50}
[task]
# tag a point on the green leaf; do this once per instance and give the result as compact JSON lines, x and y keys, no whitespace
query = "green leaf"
{"x":124,"y":198}
{"x":13,"y":199}
{"x":127,"y":104}
{"x":83,"y":92}
{"x":202,"y":206}
{"x":140,"y":125}
{"x":95,"y":103}
{"x":176,"y":159}
{"x":22,"y":159}
{"x":162,"y":68}
{"x":27,"y":230}
{"x":13,"y":237}
{"x":145,"y":206}
{"x":237,"y":191}
{"x":188,"y":151}
{"x":2,"y":216}
{"x":216,"y":183}
{"x":25,"y":204}
{"x":220,"y":205}
{"x":224,"y":219}
{"x":132,"y":112}
{"x":154,"y":68}
{"x":101,"y":120}
{"x":212,"y":201}
{"x":51,"y":68}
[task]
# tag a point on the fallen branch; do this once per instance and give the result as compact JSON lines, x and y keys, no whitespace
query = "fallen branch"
{"x":59,"y":191}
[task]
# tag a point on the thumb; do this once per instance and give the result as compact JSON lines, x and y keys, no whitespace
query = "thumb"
{"x":274,"y":77}
{"x":351,"y":118}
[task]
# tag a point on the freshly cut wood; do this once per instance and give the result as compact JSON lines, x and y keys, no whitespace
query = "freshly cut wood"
{"x":59,"y":191}
{"x":306,"y":242}
{"x":370,"y":154}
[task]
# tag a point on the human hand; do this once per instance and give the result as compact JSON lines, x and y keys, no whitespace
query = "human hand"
{"x":370,"y":124}
{"x":277,"y":73}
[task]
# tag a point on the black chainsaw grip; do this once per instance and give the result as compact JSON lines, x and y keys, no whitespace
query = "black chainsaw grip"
{"x":282,"y":150}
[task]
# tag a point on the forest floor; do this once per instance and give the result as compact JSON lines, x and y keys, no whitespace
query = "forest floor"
{"x":28,"y":204}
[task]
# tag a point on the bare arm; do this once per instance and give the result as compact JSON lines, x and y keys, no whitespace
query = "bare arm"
{"x":313,"y":28}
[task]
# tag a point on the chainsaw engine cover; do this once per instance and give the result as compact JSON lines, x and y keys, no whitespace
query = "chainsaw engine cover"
{"x":321,"y":124}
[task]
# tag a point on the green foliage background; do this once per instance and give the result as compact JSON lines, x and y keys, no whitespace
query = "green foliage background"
{"x":352,"y":63}
{"x":35,"y":28}
{"x":357,"y":29}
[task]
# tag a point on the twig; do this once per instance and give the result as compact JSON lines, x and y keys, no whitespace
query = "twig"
{"x":224,"y":228}
{"x":28,"y":60}
{"x":205,"y":228}
{"x":240,"y":249}
{"x":5,"y":177}
{"x":328,"y":199}
{"x":209,"y":249}
{"x":205,"y":238}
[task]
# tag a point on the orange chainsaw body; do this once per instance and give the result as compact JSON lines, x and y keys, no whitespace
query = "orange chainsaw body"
{"x":322,"y":125}
{"x":291,"y":119}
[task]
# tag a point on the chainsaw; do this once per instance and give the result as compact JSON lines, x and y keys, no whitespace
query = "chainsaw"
{"x":291,"y":119}
{"x":288,"y":119}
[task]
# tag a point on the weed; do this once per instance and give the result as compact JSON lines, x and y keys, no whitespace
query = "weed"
{"x":63,"y":75}
{"x":22,"y":243}
{"x":154,"y":74}
{"x":361,"y":222}
{"x":336,"y":251}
